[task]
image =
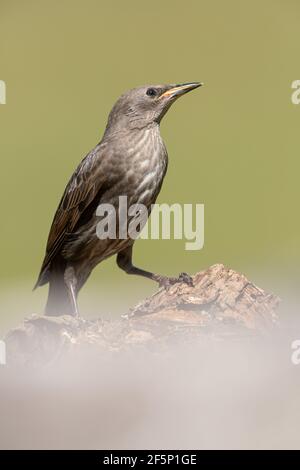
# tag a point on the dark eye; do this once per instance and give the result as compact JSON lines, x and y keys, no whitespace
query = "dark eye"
{"x":151,"y":92}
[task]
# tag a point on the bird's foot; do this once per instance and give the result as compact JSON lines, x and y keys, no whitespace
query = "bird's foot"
{"x":186,"y":278}
{"x":167,"y":282}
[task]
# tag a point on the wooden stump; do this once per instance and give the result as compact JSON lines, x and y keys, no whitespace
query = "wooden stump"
{"x":221,"y":304}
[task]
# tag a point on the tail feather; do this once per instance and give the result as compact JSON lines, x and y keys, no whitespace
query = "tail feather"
{"x":43,"y":278}
{"x":59,"y":302}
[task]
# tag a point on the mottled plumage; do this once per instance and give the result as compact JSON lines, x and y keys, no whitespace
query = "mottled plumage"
{"x":131,"y":160}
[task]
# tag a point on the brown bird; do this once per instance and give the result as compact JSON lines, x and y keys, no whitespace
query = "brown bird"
{"x":131,"y":160}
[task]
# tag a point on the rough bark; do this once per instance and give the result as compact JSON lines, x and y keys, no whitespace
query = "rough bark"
{"x":221,"y":304}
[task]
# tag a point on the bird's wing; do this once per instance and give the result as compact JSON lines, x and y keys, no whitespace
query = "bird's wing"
{"x":81,"y":189}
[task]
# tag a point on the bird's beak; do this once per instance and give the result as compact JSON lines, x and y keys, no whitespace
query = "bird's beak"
{"x":178,"y":90}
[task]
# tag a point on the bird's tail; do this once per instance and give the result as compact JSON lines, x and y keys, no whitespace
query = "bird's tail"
{"x":59,"y":301}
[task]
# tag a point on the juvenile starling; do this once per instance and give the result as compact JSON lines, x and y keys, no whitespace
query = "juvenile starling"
{"x":131,"y":160}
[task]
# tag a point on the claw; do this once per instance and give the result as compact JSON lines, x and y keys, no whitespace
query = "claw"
{"x":167,"y":282}
{"x":186,"y":278}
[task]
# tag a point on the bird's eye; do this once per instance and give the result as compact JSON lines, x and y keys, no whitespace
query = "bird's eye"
{"x":151,"y":92}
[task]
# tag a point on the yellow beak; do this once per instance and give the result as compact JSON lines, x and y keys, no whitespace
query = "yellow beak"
{"x":178,"y":90}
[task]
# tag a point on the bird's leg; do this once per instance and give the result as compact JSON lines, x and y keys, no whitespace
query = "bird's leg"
{"x":71,"y":282}
{"x":124,"y":261}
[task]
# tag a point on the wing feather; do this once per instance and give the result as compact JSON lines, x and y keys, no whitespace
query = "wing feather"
{"x":80,"y":192}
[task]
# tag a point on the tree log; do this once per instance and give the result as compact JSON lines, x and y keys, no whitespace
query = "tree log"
{"x":221,"y":304}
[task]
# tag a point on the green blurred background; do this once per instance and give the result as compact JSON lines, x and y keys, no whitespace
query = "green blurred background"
{"x":233,"y":144}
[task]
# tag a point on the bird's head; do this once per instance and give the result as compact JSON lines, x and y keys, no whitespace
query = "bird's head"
{"x":140,"y":107}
